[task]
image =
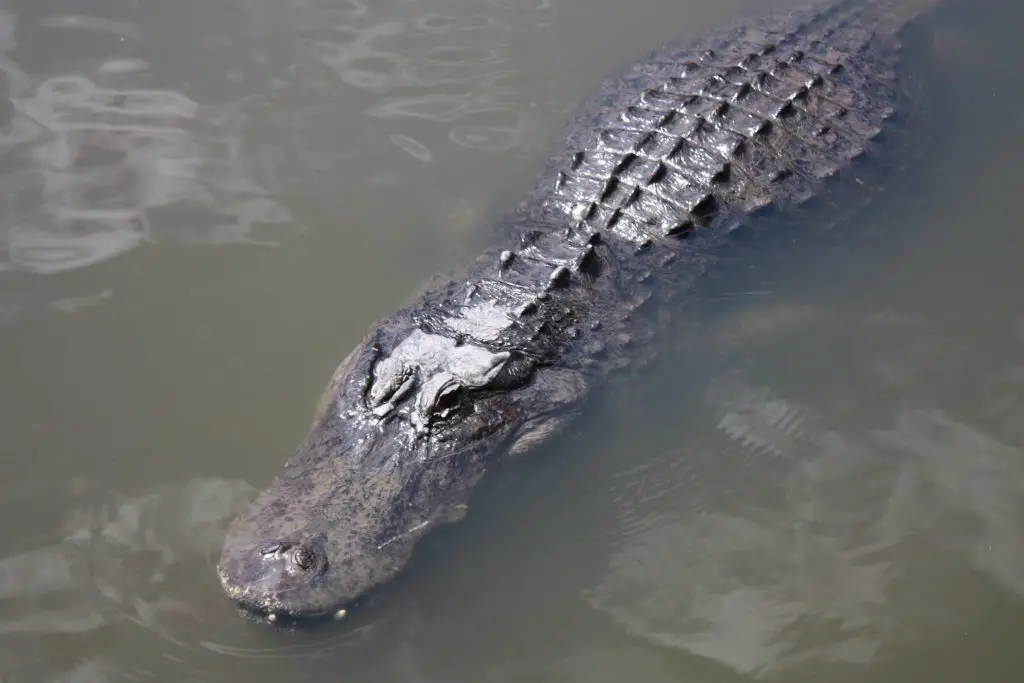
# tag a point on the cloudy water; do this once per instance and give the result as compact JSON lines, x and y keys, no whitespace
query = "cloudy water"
{"x":204,"y":204}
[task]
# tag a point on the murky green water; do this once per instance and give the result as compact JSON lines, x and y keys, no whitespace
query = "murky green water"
{"x":203,"y":204}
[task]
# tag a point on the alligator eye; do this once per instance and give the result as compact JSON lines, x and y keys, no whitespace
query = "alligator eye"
{"x":447,"y":400}
{"x":515,"y":373}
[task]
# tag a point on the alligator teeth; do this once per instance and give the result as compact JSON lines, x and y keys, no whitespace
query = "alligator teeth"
{"x":340,"y":614}
{"x":271,"y":617}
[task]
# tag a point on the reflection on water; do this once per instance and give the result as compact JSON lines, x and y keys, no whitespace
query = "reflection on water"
{"x":97,"y":163}
{"x":123,"y":29}
{"x":822,"y":562}
{"x":100,"y":158}
{"x":113,"y":563}
{"x":440,"y":67}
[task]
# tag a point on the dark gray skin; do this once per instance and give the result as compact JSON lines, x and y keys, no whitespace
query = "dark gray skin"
{"x":493,"y":360}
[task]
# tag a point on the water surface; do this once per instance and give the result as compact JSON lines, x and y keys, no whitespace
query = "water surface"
{"x":204,"y":204}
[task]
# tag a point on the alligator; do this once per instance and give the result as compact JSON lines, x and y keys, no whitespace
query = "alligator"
{"x":495,"y":358}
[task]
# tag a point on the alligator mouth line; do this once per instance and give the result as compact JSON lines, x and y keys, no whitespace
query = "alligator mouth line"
{"x":287,"y":620}
{"x":256,"y":611}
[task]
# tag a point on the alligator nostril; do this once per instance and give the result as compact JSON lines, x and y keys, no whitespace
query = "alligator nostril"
{"x":271,"y":548}
{"x":304,"y":558}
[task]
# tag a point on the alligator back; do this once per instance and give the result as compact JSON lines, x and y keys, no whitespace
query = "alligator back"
{"x":675,"y":153}
{"x":710,"y":132}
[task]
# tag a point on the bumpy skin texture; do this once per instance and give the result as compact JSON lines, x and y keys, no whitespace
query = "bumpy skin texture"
{"x":675,"y":153}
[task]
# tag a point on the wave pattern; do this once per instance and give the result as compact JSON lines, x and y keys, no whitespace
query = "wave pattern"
{"x":97,"y":163}
{"x":213,"y":142}
{"x":840,"y":551}
{"x":111,"y":570}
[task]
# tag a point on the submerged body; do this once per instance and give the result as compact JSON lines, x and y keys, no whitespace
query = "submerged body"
{"x":681,"y":149}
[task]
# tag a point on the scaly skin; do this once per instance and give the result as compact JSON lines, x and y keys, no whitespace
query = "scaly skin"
{"x":677,"y":152}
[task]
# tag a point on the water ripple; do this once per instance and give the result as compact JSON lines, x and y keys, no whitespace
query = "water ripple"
{"x":123,"y":29}
{"x":440,"y":67}
{"x":848,"y":547}
{"x":98,"y":162}
{"x":112,"y":149}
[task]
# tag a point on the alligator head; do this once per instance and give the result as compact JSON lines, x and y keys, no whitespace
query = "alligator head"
{"x":406,"y":427}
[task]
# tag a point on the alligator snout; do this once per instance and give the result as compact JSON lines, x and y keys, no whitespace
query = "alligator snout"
{"x":274,"y":577}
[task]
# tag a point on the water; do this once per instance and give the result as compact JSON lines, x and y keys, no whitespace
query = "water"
{"x":204,"y":204}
